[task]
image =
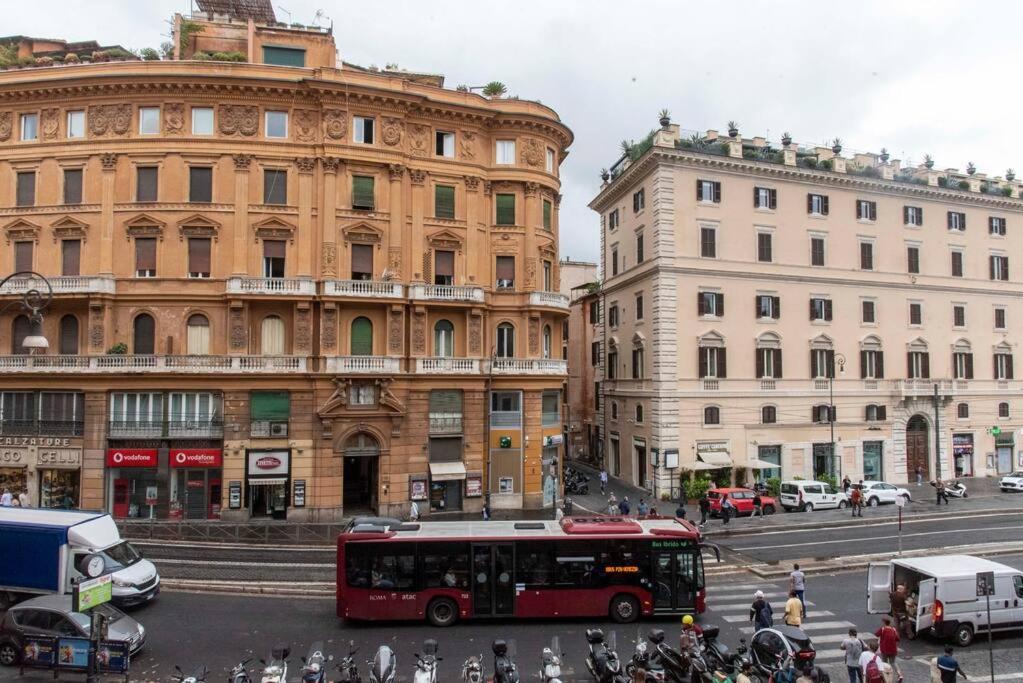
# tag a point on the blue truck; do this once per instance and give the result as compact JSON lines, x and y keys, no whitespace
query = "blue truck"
{"x":43,"y":548}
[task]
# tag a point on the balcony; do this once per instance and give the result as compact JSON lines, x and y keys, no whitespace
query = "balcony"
{"x":446,"y":293}
{"x":195,"y":429}
{"x":445,"y":424}
{"x":548,"y":299}
{"x":271,"y":286}
{"x":62,"y":285}
{"x":200,"y":365}
{"x":923,"y":388}
{"x":447,"y":366}
{"x":212,"y":428}
{"x":527,"y":366}
{"x":42,"y":427}
{"x":364,"y":289}
{"x":363,"y":365}
{"x":505,"y":418}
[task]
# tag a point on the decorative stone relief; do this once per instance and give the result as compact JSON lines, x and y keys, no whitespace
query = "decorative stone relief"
{"x":532,"y":152}
{"x":6,"y":125}
{"x":467,"y":144}
{"x":96,"y":326}
{"x":242,"y":161}
{"x":488,"y":187}
{"x":239,"y":119}
{"x":306,"y":164}
{"x":49,"y":125}
{"x":330,"y":164}
{"x":472,"y":183}
{"x":303,"y":330}
{"x":417,"y":175}
{"x":68,"y":228}
{"x":397,"y":171}
{"x":534,"y":336}
{"x":22,"y":231}
{"x":108,"y":160}
{"x":427,"y":265}
{"x":419,"y":332}
{"x":335,"y":123}
{"x":109,"y":119}
{"x":530,"y":272}
{"x":339,"y":399}
{"x":387,"y":397}
{"x":238,"y":333}
{"x":394,"y":260}
{"x":329,"y":330}
{"x":174,"y":118}
{"x":394,"y":331}
{"x":306,"y":123}
{"x":197,"y":226}
{"x":475,"y":335}
{"x":532,"y":189}
{"x":392,"y":130}
{"x":418,"y":140}
{"x":557,"y":201}
{"x":329,"y":258}
{"x":445,"y":239}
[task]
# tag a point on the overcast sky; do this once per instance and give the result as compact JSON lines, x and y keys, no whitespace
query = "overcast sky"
{"x":936,"y":77}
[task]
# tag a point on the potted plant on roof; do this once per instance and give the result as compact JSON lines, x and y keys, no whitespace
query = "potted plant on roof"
{"x":665,"y":118}
{"x":786,"y":139}
{"x":1010,"y":175}
{"x":626,"y":147}
{"x":494,"y":89}
{"x":884,"y":156}
{"x":928,"y":161}
{"x":604,"y":175}
{"x":970,"y":168}
{"x":836,"y":146}
{"x":733,"y":129}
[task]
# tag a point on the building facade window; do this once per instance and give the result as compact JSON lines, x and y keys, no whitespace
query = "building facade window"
{"x":504,"y":152}
{"x":68,"y":336}
{"x":200,"y":184}
{"x":274,"y":253}
{"x":505,"y":340}
{"x":876,"y":413}
{"x":71,"y":258}
{"x":75,"y":124}
{"x":708,"y":242}
{"x":913,"y":259}
{"x":768,"y":362}
{"x":998,"y":267}
{"x":918,"y":365}
{"x":916,"y":314}
{"x":272,"y":336}
{"x":708,"y":191}
{"x":144,"y":335}
{"x":276,"y":124}
{"x":72,"y":186}
{"x":637,"y":363}
{"x":963,"y":411}
{"x":29,"y":127}
{"x":443,"y":267}
{"x":817,"y":251}
{"x":444,"y":201}
{"x":866,"y":256}
{"x":866,"y":210}
{"x":711,"y":415}
{"x":913,"y":215}
{"x":198,"y":335}
{"x":640,"y":256}
{"x":275,"y":186}
{"x":817,"y":204}
{"x":957,"y":221}
{"x":822,"y":363}
{"x":768,"y":306}
{"x":444,"y":339}
{"x":361,"y":337}
{"x":712,"y":362}
{"x":444,"y":144}
{"x":362,"y":130}
{"x":363,"y":192}
{"x":768,"y":415}
{"x":505,"y":208}
{"x":765,"y":198}
{"x":199,"y":257}
{"x":202,"y":120}
{"x":764,"y":247}
{"x":1003,"y":409}
{"x":547,"y":342}
{"x":957,"y":263}
{"x":868,"y":312}
{"x":871,"y":364}
{"x":639,"y":200}
{"x":25,"y":190}
{"x":505,"y":270}
{"x":999,"y":318}
{"x":958,"y":315}
{"x":821,"y":309}
{"x":996,"y":225}
{"x":1003,"y":365}
{"x":710,"y":304}
{"x":149,"y":120}
{"x":145,"y":257}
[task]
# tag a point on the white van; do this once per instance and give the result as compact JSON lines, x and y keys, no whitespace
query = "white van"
{"x":944,"y":588}
{"x":807,"y":496}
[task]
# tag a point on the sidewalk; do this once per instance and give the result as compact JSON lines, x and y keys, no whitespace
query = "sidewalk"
{"x":595,"y":502}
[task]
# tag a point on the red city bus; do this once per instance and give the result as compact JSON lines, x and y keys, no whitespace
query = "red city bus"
{"x":578,"y":567}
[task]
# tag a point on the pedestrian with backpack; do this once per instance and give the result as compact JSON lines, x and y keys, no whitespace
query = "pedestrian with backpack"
{"x":760,"y":613}
{"x":797,"y":583}
{"x":726,"y":509}
{"x":853,"y":648}
{"x":873,"y":666}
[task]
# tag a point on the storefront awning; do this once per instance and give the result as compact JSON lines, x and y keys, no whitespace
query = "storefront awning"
{"x":718,"y":459}
{"x":758,"y":464}
{"x":447,"y":471}
{"x":700,"y":466}
{"x":268,"y":481}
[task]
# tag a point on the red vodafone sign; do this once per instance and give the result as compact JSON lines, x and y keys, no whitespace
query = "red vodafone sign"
{"x":196,"y":457}
{"x":132,"y":457}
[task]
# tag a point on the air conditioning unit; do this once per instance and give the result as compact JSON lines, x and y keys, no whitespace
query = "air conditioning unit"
{"x":278,"y":429}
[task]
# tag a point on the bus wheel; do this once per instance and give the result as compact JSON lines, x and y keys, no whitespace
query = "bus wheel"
{"x":624,"y":609}
{"x":442,"y":612}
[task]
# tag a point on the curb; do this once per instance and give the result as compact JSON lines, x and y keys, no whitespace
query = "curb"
{"x":293,"y":589}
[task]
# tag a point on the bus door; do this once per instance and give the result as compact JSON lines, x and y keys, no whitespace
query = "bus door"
{"x":674,"y":580}
{"x":493,"y":592}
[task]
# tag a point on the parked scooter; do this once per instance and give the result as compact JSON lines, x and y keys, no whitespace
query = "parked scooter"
{"x":276,"y":670}
{"x":658,"y":660}
{"x":602,"y":659}
{"x":472,"y":669}
{"x":505,"y":670}
{"x":198,"y":676}
{"x":956,"y":489}
{"x":550,"y":663}
{"x":239,"y":674}
{"x":716,"y":654}
{"x":426,"y":663}
{"x":384,"y":668}
{"x":313,"y":670}
{"x":348,"y":669}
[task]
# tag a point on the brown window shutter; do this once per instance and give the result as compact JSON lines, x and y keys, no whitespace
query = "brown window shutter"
{"x":777,"y":363}
{"x":20,"y":329}
{"x":73,"y":186}
{"x":505,"y":267}
{"x":26,"y":190}
{"x":809,"y":203}
{"x":824,"y":207}
{"x":720,"y":301}
{"x":927,"y":365}
{"x":445,"y":263}
{"x":1008,"y":367}
{"x":71,"y":257}
{"x":23,"y":256}
{"x":146,"y":182}
{"x":756,"y":196}
{"x":145,"y":253}
{"x":701,"y":307}
{"x":774,"y":199}
{"x":879,"y":365}
{"x":717,"y":192}
{"x":827,"y":309}
{"x":859,"y":210}
{"x":274,"y":248}
{"x":813,"y":364}
{"x":199,"y":255}
{"x":68,"y":335}
{"x":701,"y":357}
{"x":722,"y":366}
{"x":144,"y":336}
{"x":760,"y":362}
{"x":969,"y":366}
{"x":362,"y":258}
{"x":777,"y":307}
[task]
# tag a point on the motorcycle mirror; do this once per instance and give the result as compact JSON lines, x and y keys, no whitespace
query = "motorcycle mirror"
{"x":330,"y":658}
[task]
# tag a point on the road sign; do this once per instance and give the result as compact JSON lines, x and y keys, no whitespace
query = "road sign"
{"x":985,"y":584}
{"x":87,"y":594}
{"x":900,"y":501}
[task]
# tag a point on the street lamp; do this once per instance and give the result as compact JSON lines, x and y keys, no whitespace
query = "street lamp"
{"x":33,"y":301}
{"x":839,"y":360}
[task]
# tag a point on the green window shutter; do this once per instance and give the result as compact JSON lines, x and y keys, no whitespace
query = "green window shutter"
{"x":444,"y":201}
{"x":547,"y":210}
{"x":283,"y":56}
{"x":506,"y":209}
{"x":362,"y":192}
{"x":271,"y":406}
{"x":362,"y":337}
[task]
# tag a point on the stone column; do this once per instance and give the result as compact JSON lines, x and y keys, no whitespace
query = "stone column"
{"x":240,"y":266}
{"x":328,"y":222}
{"x":397,"y":261}
{"x":306,"y":170}
{"x":106,"y":244}
{"x":532,"y":223}
{"x":420,"y":265}
{"x":474,"y":247}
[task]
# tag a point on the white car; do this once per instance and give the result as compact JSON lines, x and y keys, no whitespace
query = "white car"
{"x":807,"y":496}
{"x":878,"y":492}
{"x":1011,"y":482}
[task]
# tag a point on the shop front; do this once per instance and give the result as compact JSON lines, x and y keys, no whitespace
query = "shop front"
{"x":268,"y":477}
{"x":873,"y":460}
{"x":549,"y":462}
{"x":195,"y":483}
{"x":137,"y":484}
{"x":962,"y":454}
{"x":1003,"y":452}
{"x":447,"y":473}
{"x":48,"y":469}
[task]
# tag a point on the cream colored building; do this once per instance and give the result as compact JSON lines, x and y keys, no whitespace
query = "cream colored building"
{"x":739,"y":278}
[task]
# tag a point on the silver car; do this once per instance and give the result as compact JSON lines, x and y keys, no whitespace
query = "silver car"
{"x":51,"y":615}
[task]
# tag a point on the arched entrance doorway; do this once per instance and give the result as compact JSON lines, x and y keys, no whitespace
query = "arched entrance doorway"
{"x":362,"y":457}
{"x":917,"y":448}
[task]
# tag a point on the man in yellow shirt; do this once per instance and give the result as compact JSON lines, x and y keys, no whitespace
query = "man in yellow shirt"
{"x":793,"y":610}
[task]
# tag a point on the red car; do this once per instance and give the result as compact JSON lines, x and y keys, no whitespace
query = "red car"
{"x":742,"y":499}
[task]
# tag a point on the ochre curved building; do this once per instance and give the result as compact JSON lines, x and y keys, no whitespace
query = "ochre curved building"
{"x":298,"y":290}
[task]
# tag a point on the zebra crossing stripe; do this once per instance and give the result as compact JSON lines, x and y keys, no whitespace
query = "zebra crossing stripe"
{"x":739,"y":618}
{"x":735,"y":606}
{"x":814,"y":626}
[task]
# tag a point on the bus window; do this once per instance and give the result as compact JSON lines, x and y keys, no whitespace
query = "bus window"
{"x":533,"y":565}
{"x":357,"y":559}
{"x":574,"y":566}
{"x":392,"y":567}
{"x":445,"y":565}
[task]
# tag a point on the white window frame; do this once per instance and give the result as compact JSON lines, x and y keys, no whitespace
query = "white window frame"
{"x":1005,"y":317}
{"x":864,"y":210}
{"x":997,"y":266}
{"x":504,"y":152}
{"x":711,"y":361}
{"x":26,"y":134}
{"x":119,"y":407}
{"x":916,"y":364}
{"x":1002,"y":364}
{"x":206,"y":110}
{"x":873,"y":254}
{"x":706,"y":191}
{"x":770,"y":306}
{"x":914,"y":216}
{"x":956,"y":305}
{"x":909,"y":313}
{"x":551,"y":160}
{"x":767,"y":362}
{"x":816,"y":204}
{"x":73,"y":116}
{"x":873,"y":302}
{"x":712,"y":310}
{"x":149,"y":115}
{"x":763,"y":198}
{"x":823,"y":238}
{"x":447,"y":139}
{"x":958,"y":222}
{"x":359,"y":126}
{"x":266,"y":123}
{"x":870,"y":363}
{"x":823,"y":317}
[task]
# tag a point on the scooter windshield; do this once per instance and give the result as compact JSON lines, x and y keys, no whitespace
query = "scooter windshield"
{"x":383,"y":664}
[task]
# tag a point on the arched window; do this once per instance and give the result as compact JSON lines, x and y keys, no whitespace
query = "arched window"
{"x":362,"y":337}
{"x":20,"y":328}
{"x":639,"y":413}
{"x":547,"y":341}
{"x":1003,"y":409}
{"x":271,"y":336}
{"x":505,"y":340}
{"x":712,"y":356}
{"x":768,"y":415}
{"x":68,"y":335}
{"x":444,"y":339}
{"x":711,"y":415}
{"x":144,"y":336}
{"x":198,"y":341}
{"x":963,"y":411}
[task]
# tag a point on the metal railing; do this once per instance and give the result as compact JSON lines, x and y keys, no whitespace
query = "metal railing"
{"x":42,"y":427}
{"x":445,"y":424}
{"x":155,"y":429}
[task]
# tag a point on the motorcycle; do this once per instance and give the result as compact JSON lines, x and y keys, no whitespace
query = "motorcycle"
{"x":348,"y":669}
{"x":550,"y":663}
{"x":312,"y":665}
{"x":198,"y":676}
{"x":659,"y":661}
{"x":239,"y":674}
{"x":276,"y":671}
{"x":472,"y":669}
{"x":426,"y":664}
{"x":717,"y":654}
{"x":602,"y":659}
{"x":384,"y":668}
{"x":956,"y":489}
{"x":505,"y":670}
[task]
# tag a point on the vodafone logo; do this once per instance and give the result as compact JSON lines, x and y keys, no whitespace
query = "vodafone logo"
{"x":139,"y":457}
{"x":196,"y":457}
{"x":268,"y":462}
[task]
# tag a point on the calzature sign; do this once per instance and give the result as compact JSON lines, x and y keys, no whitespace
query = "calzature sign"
{"x":268,"y":463}
{"x":132,"y":457}
{"x":196,"y":457}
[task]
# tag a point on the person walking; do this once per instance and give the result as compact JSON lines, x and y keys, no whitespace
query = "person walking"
{"x":940,"y":493}
{"x":413,"y":512}
{"x":760,"y":613}
{"x":846,"y":483}
{"x":5,"y":499}
{"x":612,"y":504}
{"x":888,"y":643}
{"x":919,"y":475}
{"x":24,"y":499}
{"x":797,"y":583}
{"x":727,"y":509}
{"x":680,"y":510}
{"x":486,"y":511}
{"x":623,"y":506}
{"x":758,"y":505}
{"x":872,"y":667}
{"x":853,"y":648}
{"x":704,"y":509}
{"x":948,"y":666}
{"x":642,"y":510}
{"x":603,"y":481}
{"x":793,"y":610}
{"x":856,"y":501}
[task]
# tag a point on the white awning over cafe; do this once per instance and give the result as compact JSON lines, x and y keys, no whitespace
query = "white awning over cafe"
{"x":447,"y":471}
